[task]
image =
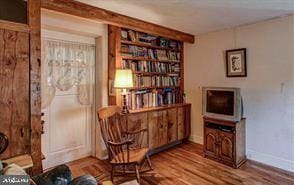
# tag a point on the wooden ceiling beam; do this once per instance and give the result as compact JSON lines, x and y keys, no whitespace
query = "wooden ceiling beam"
{"x":94,"y":13}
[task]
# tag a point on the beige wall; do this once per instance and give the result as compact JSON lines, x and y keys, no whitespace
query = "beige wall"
{"x":268,"y":91}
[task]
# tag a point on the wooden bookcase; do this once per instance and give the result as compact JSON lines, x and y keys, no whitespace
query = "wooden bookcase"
{"x":167,"y":124}
{"x":159,"y":67}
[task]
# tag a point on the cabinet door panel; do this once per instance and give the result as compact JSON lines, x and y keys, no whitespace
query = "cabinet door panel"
{"x":172,"y":127}
{"x":137,"y":122}
{"x":226,"y":141}
{"x":210,"y":139}
{"x":162,"y":127}
{"x":157,"y":126}
{"x":181,"y":123}
{"x":153,"y":129}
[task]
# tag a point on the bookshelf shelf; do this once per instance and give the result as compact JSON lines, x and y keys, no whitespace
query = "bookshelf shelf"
{"x":147,"y":45}
{"x":147,"y":59}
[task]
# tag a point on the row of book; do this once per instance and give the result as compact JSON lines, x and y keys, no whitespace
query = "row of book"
{"x":154,"y":98}
{"x":137,"y":51}
{"x":149,"y":66}
{"x":164,"y":55}
{"x":167,"y":43}
{"x":145,"y":38}
{"x":156,"y":81}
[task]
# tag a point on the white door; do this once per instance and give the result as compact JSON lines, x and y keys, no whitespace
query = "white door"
{"x":67,"y":128}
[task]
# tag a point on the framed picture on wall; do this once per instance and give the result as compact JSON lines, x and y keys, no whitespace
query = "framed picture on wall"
{"x":236,"y":63}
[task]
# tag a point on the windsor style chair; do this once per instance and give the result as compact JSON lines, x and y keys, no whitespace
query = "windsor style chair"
{"x":124,"y":147}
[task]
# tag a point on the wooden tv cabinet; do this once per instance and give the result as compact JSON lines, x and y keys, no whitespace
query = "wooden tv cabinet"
{"x":224,"y":141}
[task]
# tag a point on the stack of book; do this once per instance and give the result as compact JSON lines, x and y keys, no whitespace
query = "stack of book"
{"x":126,"y":64}
{"x":161,"y":54}
{"x":147,"y":66}
{"x":134,"y":51}
{"x":172,"y":55}
{"x":152,"y":54}
{"x":147,"y":39}
{"x":163,"y":42}
{"x":133,"y":36}
{"x":176,"y":68}
{"x":156,"y":81}
{"x":151,"y":98}
{"x":174,"y":44}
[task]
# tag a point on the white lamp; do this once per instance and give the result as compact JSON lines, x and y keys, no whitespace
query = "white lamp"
{"x":123,"y":80}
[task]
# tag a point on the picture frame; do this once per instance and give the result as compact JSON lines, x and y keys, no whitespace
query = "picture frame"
{"x":236,"y":63}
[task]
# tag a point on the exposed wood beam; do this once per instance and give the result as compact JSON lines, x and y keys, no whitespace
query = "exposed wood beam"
{"x":14,"y":26}
{"x":34,"y":15}
{"x":90,"y":12}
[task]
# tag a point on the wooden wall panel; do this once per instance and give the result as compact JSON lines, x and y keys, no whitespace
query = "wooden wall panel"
{"x":14,"y":91}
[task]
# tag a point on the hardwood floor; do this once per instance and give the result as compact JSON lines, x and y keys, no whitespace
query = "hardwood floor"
{"x":185,"y":165}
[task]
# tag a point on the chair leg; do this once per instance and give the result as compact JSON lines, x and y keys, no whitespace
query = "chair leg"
{"x":137,"y":173}
{"x":112,"y":172}
{"x":149,"y":162}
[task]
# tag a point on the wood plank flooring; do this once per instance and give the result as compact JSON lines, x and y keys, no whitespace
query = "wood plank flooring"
{"x":184,"y":165}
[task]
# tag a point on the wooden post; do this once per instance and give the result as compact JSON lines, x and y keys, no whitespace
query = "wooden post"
{"x":34,"y":16}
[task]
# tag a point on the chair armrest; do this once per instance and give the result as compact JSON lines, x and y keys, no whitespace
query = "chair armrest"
{"x":136,"y":131}
{"x":127,"y":142}
{"x":84,"y":180}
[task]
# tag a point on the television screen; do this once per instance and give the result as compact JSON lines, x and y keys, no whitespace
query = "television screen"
{"x":220,"y":102}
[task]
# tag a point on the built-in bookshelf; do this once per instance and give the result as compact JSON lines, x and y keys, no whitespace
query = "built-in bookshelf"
{"x":156,"y":63}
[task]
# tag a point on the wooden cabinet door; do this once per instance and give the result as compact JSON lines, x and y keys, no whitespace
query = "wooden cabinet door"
{"x":14,"y":91}
{"x":226,"y":145}
{"x":157,"y":127}
{"x":162,"y":127}
{"x":181,"y":123}
{"x":172,"y":127}
{"x":211,"y":139}
{"x":136,"y":122}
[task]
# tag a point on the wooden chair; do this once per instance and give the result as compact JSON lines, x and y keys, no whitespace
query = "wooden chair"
{"x":124,"y":147}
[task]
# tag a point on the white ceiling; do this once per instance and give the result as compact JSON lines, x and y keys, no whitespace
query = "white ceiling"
{"x":198,"y":16}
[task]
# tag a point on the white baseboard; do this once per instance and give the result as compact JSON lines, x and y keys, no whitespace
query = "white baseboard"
{"x":196,"y":139}
{"x":270,"y":160}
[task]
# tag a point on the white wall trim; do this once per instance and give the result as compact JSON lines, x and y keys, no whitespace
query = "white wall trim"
{"x":270,"y":160}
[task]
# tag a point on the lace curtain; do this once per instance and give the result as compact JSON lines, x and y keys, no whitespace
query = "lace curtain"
{"x":65,"y":65}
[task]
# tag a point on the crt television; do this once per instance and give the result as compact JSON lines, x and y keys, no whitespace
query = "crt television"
{"x":222,"y":103}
